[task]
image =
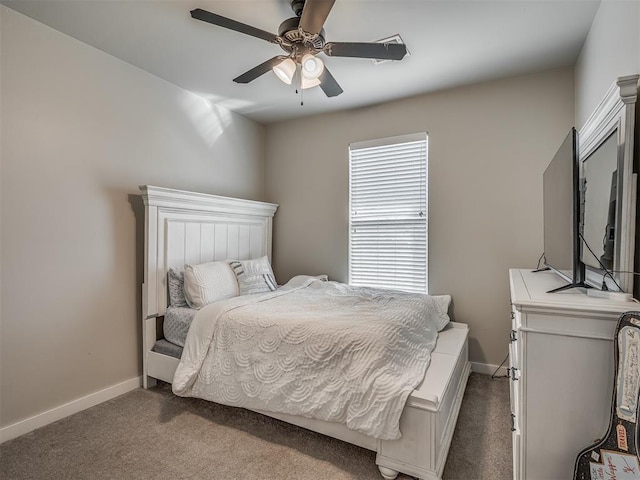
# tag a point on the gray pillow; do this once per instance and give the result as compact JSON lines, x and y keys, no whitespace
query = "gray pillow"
{"x":254,"y":276}
{"x":175,"y":279}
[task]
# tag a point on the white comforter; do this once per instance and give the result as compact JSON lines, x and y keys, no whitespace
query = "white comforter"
{"x":317,"y":349}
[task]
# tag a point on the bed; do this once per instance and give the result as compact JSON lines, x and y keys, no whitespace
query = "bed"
{"x":192,"y":228}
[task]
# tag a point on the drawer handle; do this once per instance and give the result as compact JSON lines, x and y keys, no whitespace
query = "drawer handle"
{"x":513,"y":315}
{"x":513,"y":422}
{"x":511,"y":373}
{"x":512,"y":336}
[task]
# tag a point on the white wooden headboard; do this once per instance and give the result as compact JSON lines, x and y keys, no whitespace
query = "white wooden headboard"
{"x":186,"y":227}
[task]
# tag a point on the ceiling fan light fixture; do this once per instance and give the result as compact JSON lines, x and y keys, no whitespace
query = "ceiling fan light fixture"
{"x":312,"y":66}
{"x":285,"y":70}
{"x":308,"y":82}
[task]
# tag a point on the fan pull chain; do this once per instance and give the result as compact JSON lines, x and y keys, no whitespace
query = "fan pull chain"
{"x":300,"y":90}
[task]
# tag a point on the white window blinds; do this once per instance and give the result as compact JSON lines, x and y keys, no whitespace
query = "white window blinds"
{"x":388,"y":213}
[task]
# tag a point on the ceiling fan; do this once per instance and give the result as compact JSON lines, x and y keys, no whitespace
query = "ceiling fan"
{"x":302,"y":38}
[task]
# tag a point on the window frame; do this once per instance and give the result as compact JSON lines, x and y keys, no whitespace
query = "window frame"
{"x":423,"y":202}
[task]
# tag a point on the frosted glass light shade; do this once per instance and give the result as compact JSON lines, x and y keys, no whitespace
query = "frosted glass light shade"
{"x":312,"y":66}
{"x":285,"y":70}
{"x":308,"y":82}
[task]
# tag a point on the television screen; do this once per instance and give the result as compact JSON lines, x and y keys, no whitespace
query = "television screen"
{"x":561,"y":213}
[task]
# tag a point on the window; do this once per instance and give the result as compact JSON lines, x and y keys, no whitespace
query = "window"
{"x":388,"y":213}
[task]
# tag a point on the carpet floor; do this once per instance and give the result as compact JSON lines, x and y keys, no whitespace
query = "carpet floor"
{"x":152,"y":434}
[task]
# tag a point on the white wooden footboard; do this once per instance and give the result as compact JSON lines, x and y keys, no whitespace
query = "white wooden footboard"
{"x":429,"y":418}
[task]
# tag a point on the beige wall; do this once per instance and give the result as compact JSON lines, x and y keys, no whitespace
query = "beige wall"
{"x":612,"y":49}
{"x":80,"y":131}
{"x":488,"y":147}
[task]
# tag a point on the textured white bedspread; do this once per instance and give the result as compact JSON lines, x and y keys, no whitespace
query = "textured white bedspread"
{"x":316,"y":349}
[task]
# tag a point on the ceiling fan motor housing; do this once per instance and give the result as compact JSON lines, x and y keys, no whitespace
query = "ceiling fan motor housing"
{"x":295,"y":39}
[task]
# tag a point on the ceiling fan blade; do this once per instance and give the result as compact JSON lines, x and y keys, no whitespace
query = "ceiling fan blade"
{"x":379,"y":51}
{"x":329,"y":85}
{"x":225,"y":22}
{"x":261,"y":69}
{"x":314,"y":14}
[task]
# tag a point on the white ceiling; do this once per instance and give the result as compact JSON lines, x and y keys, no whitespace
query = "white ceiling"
{"x":451,"y":42}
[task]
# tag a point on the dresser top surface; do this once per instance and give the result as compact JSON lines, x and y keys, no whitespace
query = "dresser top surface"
{"x":530,"y":289}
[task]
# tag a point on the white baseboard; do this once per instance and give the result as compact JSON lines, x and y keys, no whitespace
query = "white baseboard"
{"x":487,"y":369}
{"x":25,"y":426}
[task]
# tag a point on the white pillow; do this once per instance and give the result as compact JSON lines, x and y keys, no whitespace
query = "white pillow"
{"x":441,"y":318}
{"x":209,"y":282}
{"x":254,"y":276}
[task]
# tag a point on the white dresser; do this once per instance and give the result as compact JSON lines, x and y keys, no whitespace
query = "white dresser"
{"x":561,"y":369}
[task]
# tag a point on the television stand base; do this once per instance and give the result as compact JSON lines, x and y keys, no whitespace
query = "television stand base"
{"x":543,"y":269}
{"x":567,"y":287}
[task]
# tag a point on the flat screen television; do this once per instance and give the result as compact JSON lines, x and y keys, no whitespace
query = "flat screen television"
{"x":561,"y":198}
